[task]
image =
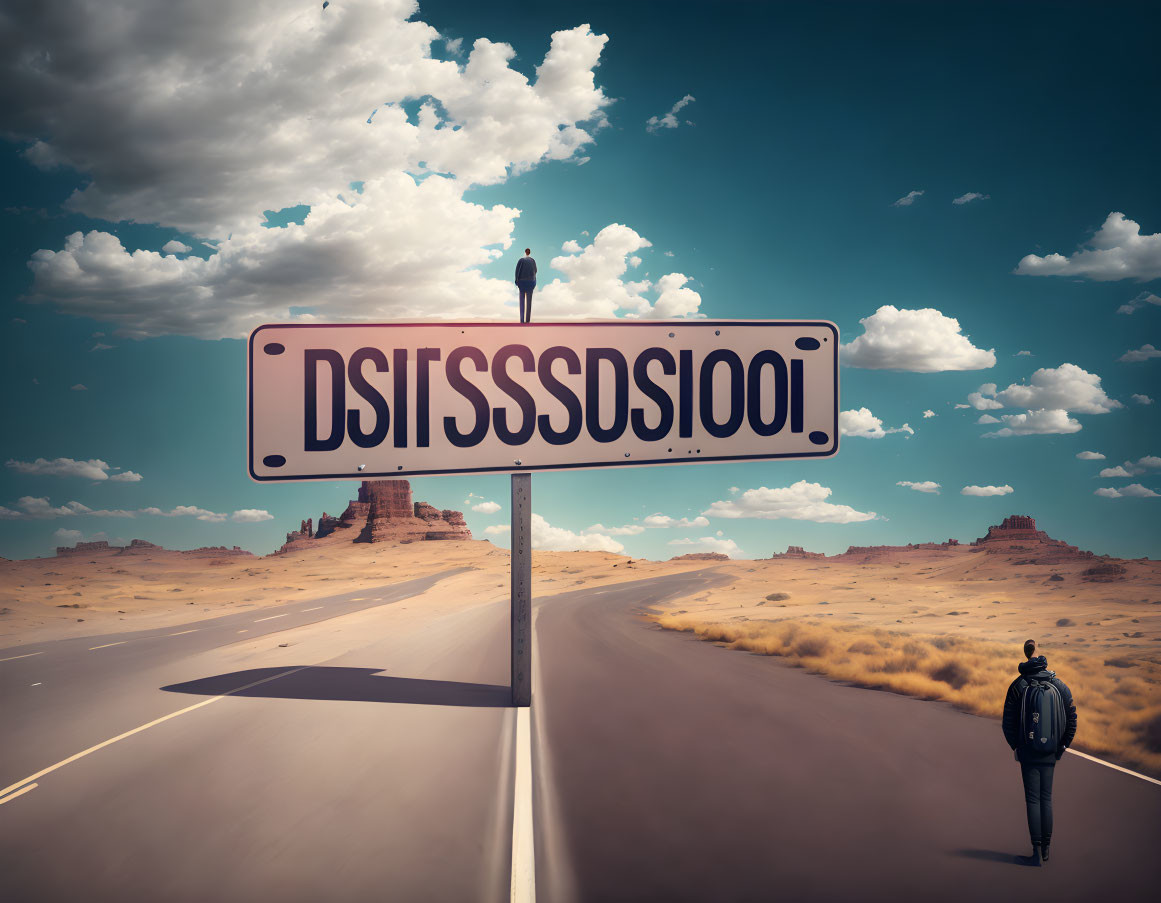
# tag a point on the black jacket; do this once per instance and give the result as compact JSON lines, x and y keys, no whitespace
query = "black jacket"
{"x":1036,"y":667}
{"x":525,"y":269}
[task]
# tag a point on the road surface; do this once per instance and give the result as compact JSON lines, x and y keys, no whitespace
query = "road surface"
{"x":372,"y":757}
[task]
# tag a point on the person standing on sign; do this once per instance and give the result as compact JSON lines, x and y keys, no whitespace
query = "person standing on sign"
{"x":526,"y":282}
{"x":1039,"y":724}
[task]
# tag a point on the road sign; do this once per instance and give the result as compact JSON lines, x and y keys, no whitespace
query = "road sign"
{"x":357,"y":401}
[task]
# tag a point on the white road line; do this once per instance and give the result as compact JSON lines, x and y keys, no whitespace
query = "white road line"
{"x":13,"y":658}
{"x":1135,"y":774}
{"x":107,"y":645}
{"x":523,"y":854}
{"x":247,"y":630}
{"x":181,"y":632}
{"x":272,"y":617}
{"x":316,"y":608}
{"x":20,"y":787}
{"x":37,"y":684}
{"x":23,"y":790}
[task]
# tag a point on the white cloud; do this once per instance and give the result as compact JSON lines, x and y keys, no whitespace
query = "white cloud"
{"x":988,"y":418}
{"x":969,"y":197}
{"x":1129,"y":469}
{"x":185,"y":511}
{"x":557,"y":539}
{"x":40,"y":508}
{"x":497,"y":529}
{"x":486,"y":507}
{"x":127,"y":476}
{"x":921,"y":341}
{"x":928,"y":414}
{"x":1149,"y":461}
{"x":101,"y":346}
{"x":664,"y":521}
{"x":251,"y":516}
{"x":1035,"y":423}
{"x":596,"y":286}
{"x":572,"y":246}
{"x":862,"y":423}
{"x":908,"y":199}
{"x":984,"y":398}
{"x":175,"y":247}
{"x":262,"y":106}
{"x":986,"y":490}
{"x":1117,"y":250}
{"x":799,"y":501}
{"x":962,"y":406}
{"x":68,"y":537}
{"x":1141,"y":399}
{"x":92,"y":469}
{"x":924,"y":486}
{"x":1144,"y":353}
{"x":1068,"y":387}
{"x":1117,"y":471}
{"x":1133,"y":490}
{"x":1090,"y":456}
{"x":669,"y":120}
{"x":708,"y":544}
{"x":627,"y":530}
{"x":1142,"y":300}
{"x":1023,"y":354}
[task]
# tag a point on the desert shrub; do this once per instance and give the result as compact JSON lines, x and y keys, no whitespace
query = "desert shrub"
{"x":944,"y":642}
{"x":914,"y":648}
{"x":864,"y":647}
{"x":778,"y":597}
{"x":952,"y":672}
{"x":1120,"y":662}
{"x":1065,"y":622}
{"x":1151,"y":734}
{"x":810,"y":645}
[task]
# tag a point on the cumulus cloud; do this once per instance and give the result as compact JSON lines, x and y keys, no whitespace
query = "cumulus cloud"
{"x":1133,"y":490}
{"x":1141,"y":399}
{"x":1090,"y":456}
{"x":928,"y":413}
{"x":1117,"y":250}
{"x":987,"y":418}
{"x":1142,"y":300}
{"x":1117,"y":471}
{"x":68,"y":537}
{"x":92,"y":469}
{"x":175,"y":247}
{"x":799,"y":501}
{"x":251,"y":516}
{"x":969,"y":197}
{"x":708,"y":544}
{"x":986,"y":490}
{"x":664,"y":521}
{"x":1023,"y":354}
{"x":1035,"y":423}
{"x":185,"y":511}
{"x":908,"y":199}
{"x":669,"y":120}
{"x":497,"y":529}
{"x":1144,"y":353}
{"x":921,"y":341}
{"x":862,"y":423}
{"x":984,"y":399}
{"x":924,"y":486}
{"x":239,"y":109}
{"x":596,"y":286}
{"x":40,"y":508}
{"x":486,"y":507}
{"x":557,"y":539}
{"x":627,"y":530}
{"x":1131,"y":469}
{"x":1068,"y":386}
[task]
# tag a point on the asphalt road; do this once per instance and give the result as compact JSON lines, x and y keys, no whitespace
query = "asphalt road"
{"x":371,"y":758}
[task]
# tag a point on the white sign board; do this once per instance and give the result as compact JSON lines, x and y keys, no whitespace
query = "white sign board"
{"x":355,"y":401}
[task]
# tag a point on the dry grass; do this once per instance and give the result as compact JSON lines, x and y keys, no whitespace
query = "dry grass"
{"x":1119,"y":708}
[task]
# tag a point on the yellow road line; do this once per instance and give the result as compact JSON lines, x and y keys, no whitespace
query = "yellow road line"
{"x":23,"y":790}
{"x":13,"y":658}
{"x":137,"y":730}
{"x":107,"y":645}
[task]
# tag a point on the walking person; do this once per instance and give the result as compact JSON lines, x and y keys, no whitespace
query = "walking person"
{"x":1039,"y":724}
{"x":526,"y":282}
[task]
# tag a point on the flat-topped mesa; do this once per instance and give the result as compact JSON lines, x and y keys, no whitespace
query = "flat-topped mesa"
{"x":1018,"y":533}
{"x":877,"y":552}
{"x":143,"y":547}
{"x":86,"y":548}
{"x":702,"y":556}
{"x":798,"y":552}
{"x":383,"y":511}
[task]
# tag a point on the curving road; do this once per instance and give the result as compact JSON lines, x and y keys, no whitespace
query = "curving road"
{"x":372,"y":757}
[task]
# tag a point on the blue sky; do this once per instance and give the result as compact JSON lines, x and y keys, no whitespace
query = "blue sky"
{"x":775,"y":195}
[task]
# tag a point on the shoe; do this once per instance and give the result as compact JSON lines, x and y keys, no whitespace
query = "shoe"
{"x":1043,"y":852}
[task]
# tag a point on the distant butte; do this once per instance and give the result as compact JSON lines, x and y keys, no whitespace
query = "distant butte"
{"x":383,"y":512}
{"x":141,"y":546}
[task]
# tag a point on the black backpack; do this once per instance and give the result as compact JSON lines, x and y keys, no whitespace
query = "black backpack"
{"x":1042,"y":717}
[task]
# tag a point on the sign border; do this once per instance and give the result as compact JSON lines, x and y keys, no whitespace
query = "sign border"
{"x":365,"y":475}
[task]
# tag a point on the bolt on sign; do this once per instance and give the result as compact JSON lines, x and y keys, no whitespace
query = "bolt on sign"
{"x":339,"y":401}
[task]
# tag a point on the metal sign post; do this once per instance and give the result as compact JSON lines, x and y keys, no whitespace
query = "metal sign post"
{"x":521,"y":589}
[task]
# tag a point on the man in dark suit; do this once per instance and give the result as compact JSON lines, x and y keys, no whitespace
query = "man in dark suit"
{"x":526,"y":282}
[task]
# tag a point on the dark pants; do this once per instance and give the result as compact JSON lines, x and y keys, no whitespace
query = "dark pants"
{"x":526,"y":286}
{"x":1038,"y":797}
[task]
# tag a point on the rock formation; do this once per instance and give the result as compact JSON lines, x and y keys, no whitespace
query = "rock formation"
{"x":1018,"y":534}
{"x":702,"y":556}
{"x":383,"y":512}
{"x":797,"y":552}
{"x":141,"y":546}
